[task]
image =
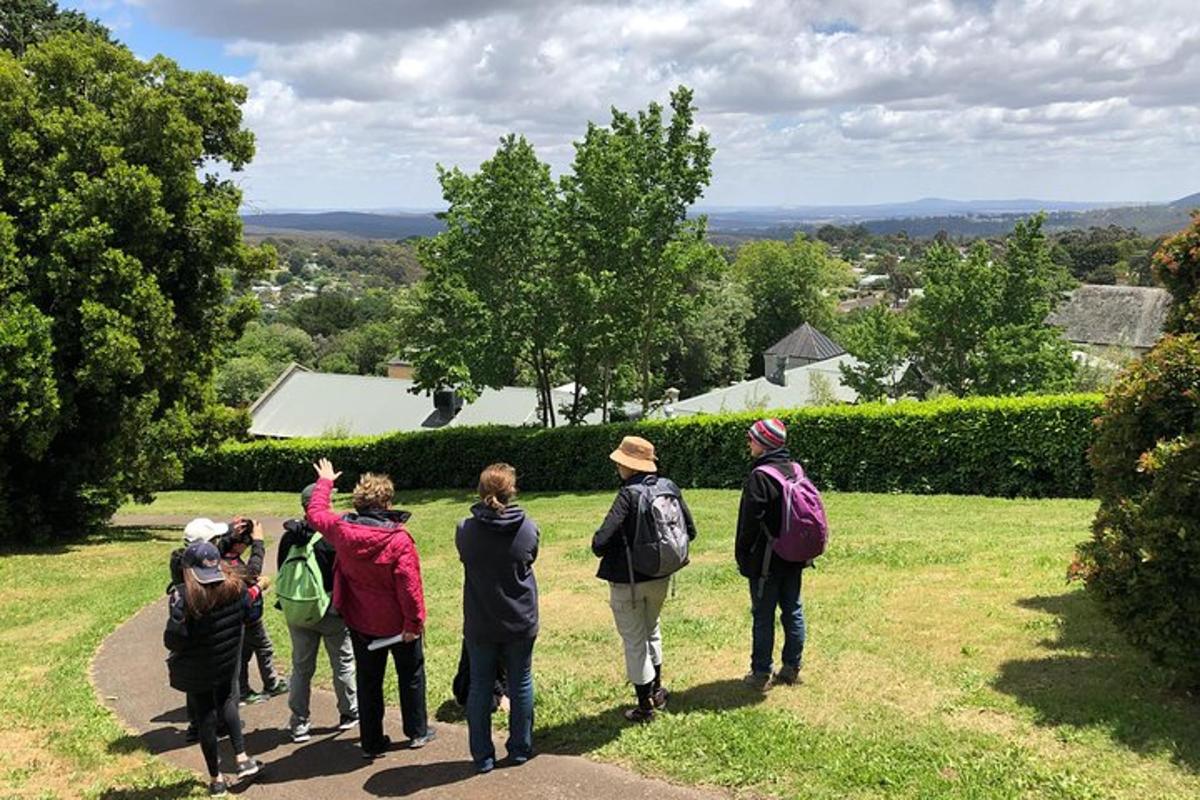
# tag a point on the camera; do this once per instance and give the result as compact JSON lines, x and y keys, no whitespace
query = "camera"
{"x":240,"y":532}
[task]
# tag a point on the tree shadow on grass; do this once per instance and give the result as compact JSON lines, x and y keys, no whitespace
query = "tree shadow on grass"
{"x":1092,"y":678}
{"x":113,"y":534}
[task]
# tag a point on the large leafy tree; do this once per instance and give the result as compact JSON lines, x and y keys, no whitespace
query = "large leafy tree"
{"x":630,"y":253}
{"x":980,"y":324}
{"x":488,"y":299}
{"x":117,"y":243}
{"x":789,"y":283}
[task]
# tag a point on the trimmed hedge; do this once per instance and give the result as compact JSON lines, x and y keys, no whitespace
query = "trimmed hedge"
{"x":1014,"y":446}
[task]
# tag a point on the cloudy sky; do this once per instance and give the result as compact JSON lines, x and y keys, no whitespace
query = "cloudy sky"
{"x":861,"y":101}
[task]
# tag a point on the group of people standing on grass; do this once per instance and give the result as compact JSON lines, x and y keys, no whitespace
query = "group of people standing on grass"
{"x":367,"y":602}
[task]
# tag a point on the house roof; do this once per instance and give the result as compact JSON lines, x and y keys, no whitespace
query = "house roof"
{"x":808,"y":343}
{"x":306,"y":403}
{"x":803,"y":389}
{"x":1124,"y":316}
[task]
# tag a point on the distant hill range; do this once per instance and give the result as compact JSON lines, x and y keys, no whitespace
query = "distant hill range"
{"x":343,"y":224}
{"x":919,"y":218}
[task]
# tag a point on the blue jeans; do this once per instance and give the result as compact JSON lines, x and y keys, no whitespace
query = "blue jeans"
{"x":782,"y":592}
{"x":518,"y":661}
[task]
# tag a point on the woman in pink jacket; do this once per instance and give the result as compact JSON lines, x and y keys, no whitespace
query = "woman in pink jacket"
{"x":377,"y":590}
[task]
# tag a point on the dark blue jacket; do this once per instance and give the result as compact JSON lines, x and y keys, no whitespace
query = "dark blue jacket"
{"x":500,"y":596}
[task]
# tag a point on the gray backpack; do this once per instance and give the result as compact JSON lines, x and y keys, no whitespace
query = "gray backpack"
{"x":660,"y":540}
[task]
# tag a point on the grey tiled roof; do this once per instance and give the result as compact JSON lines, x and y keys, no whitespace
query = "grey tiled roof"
{"x":806,"y":342}
{"x":1123,"y":316}
{"x":304,"y":403}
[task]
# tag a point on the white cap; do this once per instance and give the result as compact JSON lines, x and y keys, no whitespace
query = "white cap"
{"x":203,"y":529}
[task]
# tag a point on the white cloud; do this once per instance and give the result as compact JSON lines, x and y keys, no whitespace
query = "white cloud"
{"x":807,"y":101}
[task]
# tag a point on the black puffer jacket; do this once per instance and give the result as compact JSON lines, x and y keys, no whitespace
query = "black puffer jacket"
{"x":205,"y":652}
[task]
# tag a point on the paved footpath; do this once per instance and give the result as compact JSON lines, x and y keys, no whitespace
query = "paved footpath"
{"x":131,"y":679}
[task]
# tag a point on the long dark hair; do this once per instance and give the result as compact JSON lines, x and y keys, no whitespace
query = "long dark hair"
{"x":202,"y":598}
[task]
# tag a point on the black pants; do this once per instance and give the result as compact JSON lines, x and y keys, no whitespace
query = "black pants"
{"x":216,"y":705}
{"x":256,"y":643}
{"x":371,"y":668}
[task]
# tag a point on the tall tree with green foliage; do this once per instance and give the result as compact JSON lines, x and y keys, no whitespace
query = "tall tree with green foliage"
{"x":882,"y":342}
{"x":24,"y":23}
{"x":709,"y":348}
{"x":980,"y":324}
{"x":789,"y":283}
{"x":118,"y":237}
{"x":489,"y":304}
{"x":631,"y":254}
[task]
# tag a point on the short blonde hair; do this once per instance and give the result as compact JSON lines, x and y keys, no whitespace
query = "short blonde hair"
{"x":373,"y":491}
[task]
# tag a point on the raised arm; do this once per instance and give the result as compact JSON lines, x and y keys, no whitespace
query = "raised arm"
{"x":320,"y":513}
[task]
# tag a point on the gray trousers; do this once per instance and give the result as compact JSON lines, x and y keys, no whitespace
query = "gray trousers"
{"x":305,"y":644}
{"x":636,"y":614}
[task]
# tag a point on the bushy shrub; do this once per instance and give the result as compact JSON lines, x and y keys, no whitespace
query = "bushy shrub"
{"x":1143,"y":562}
{"x":1025,"y":446}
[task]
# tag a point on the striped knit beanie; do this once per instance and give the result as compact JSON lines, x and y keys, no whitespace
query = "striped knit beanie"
{"x":770,"y":433}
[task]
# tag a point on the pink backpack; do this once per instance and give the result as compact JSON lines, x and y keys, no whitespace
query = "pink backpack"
{"x":803,"y":530}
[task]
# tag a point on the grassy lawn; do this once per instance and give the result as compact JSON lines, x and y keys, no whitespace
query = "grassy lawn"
{"x":946,"y":657}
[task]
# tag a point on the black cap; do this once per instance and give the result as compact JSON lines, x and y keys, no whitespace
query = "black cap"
{"x":204,"y":561}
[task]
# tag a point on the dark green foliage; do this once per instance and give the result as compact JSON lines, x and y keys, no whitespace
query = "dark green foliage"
{"x":1027,"y":446}
{"x":116,"y":237}
{"x":1143,"y":561}
{"x":24,"y":23}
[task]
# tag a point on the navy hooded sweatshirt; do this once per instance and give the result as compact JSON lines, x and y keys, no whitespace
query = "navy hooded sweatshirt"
{"x":500,"y":599}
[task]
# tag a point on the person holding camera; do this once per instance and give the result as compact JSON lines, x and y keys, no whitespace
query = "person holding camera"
{"x":247,"y":533}
{"x":377,"y":590}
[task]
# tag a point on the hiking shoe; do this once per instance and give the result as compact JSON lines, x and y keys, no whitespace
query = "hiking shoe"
{"x":217,"y":788}
{"x":757,"y":680}
{"x":279,"y":687}
{"x":371,"y":755}
{"x":301,"y":732}
{"x":660,"y":697}
{"x":248,"y":768}
{"x":251,"y":697}
{"x":788,"y":676}
{"x":485,"y":766}
{"x":347,"y":721}
{"x":639,"y":715}
{"x":417,"y":742}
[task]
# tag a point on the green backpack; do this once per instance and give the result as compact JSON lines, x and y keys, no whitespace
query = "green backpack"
{"x":300,"y":588}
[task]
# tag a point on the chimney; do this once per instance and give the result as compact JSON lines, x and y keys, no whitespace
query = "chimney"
{"x":777,"y":374}
{"x":447,"y":403}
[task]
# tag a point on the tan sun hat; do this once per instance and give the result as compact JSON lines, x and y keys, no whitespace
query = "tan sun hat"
{"x":635,"y":453}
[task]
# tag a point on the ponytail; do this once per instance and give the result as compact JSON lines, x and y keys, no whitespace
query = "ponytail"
{"x":498,"y":486}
